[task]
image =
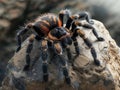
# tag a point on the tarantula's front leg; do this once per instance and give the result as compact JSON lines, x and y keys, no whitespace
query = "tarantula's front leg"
{"x":75,"y":24}
{"x":74,"y":35}
{"x":44,"y":50}
{"x":89,"y":44}
{"x":66,"y":42}
{"x":63,"y":13}
{"x":28,"y":51}
{"x":84,"y":15}
{"x":94,"y":31}
{"x":63,"y":62}
{"x":77,"y":49}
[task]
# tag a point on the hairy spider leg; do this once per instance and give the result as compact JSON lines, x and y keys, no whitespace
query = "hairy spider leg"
{"x":74,"y":35}
{"x":89,"y":26}
{"x":20,"y":33}
{"x":44,"y":49}
{"x":63,"y":13}
{"x":28,"y":51}
{"x":66,"y":42}
{"x":89,"y":44}
{"x":75,"y":42}
{"x":84,"y":15}
{"x":63,"y":62}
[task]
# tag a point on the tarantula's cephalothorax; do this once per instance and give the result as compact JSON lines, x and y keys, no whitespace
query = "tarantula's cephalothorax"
{"x":49,"y":28}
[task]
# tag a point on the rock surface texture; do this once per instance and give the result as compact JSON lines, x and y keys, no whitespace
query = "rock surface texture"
{"x":85,"y":75}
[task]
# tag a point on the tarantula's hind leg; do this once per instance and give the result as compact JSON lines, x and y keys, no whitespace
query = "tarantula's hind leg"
{"x":89,"y":44}
{"x":44,"y":59}
{"x":28,"y":51}
{"x":63,"y":62}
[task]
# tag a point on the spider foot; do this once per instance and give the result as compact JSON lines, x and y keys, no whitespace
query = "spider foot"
{"x":26,"y":68}
{"x":67,"y":78}
{"x":77,"y":50}
{"x":100,"y":39}
{"x":45,"y":77}
{"x":69,"y":54}
{"x":91,"y":22}
{"x":97,"y":62}
{"x":45,"y":72}
{"x":18,"y":48}
{"x":68,"y":81}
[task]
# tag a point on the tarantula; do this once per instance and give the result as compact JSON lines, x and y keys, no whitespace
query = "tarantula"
{"x":50,"y":28}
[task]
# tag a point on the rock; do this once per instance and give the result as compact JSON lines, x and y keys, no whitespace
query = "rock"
{"x":85,"y":75}
{"x":10,"y":11}
{"x":14,"y":13}
{"x":4,"y":23}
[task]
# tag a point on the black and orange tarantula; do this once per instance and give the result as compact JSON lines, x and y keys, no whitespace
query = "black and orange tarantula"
{"x":50,"y":28}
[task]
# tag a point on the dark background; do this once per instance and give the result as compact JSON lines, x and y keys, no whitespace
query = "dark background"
{"x":15,"y":13}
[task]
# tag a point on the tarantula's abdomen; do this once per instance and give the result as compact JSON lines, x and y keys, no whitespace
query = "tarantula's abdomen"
{"x":46,"y":22}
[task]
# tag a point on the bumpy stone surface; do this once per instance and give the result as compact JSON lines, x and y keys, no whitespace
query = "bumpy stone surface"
{"x":85,"y":75}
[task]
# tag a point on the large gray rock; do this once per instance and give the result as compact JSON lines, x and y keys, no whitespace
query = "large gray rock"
{"x":85,"y":75}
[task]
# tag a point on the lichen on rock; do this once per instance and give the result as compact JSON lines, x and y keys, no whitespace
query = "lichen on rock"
{"x":85,"y":75}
